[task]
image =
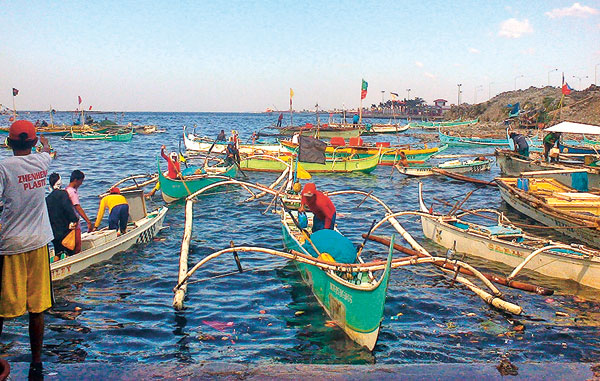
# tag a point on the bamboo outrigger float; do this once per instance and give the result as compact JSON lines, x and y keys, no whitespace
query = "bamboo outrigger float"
{"x":356,"y":306}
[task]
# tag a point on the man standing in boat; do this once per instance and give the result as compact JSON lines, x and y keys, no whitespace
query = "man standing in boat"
{"x":75,"y":182}
{"x":62,"y":214}
{"x":321,"y":206}
{"x":521,"y":145}
{"x":221,"y":137}
{"x":173,"y":167}
{"x":279,"y":119}
{"x":25,"y":282}
{"x":549,"y":140}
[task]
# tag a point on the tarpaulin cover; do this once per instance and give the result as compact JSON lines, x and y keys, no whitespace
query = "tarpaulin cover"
{"x":311,"y":150}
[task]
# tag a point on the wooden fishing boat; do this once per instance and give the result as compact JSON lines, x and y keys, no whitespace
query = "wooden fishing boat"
{"x":579,"y":149}
{"x":512,"y":164}
{"x":194,"y":179}
{"x":101,"y":245}
{"x":265,"y":163}
{"x":61,"y":130}
{"x":546,"y":200}
{"x":355,"y":305}
{"x":436,"y":125}
{"x":505,"y":243}
{"x":323,"y":131}
{"x":390,"y":155}
{"x":196,"y":143}
{"x":384,"y":128}
{"x":106,"y":136}
{"x":453,"y":166}
{"x":472,"y":140}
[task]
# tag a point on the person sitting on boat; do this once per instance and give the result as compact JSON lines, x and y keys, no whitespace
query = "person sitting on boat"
{"x":403,"y":160}
{"x":174,"y":169}
{"x":279,"y":119}
{"x":118,"y":210}
{"x":44,"y":124}
{"x":61,"y":213}
{"x":232,"y":154}
{"x":521,"y":145}
{"x":321,"y":206}
{"x":221,"y":137}
{"x":37,"y":123}
{"x":549,"y":140}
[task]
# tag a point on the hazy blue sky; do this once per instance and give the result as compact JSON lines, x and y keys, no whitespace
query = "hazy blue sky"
{"x":244,"y":55}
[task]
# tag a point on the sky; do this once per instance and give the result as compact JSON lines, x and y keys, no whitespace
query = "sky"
{"x":244,"y":56}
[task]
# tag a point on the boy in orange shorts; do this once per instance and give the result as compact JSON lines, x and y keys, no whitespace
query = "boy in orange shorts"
{"x":25,"y":282}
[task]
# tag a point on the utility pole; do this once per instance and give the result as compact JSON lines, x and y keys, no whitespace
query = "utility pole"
{"x":459,"y":92}
{"x":408,"y":94}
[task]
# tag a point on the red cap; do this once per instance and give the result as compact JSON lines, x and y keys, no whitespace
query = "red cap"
{"x":19,"y":127}
{"x":309,"y":188}
{"x":114,"y":190}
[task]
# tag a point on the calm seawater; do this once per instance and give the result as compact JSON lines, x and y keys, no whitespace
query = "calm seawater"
{"x":120,"y":311}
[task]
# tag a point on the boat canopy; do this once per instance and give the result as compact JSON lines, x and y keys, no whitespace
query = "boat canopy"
{"x":575,"y":128}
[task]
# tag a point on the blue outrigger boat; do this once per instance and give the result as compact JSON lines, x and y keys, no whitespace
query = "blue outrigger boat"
{"x":471,"y":140}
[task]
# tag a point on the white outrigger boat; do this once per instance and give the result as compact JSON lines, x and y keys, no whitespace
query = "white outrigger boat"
{"x":508,"y":244}
{"x":452,"y":166}
{"x":200,"y":144}
{"x":103,"y":244}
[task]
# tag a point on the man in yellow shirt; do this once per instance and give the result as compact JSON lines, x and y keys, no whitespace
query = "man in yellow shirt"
{"x":118,"y":211}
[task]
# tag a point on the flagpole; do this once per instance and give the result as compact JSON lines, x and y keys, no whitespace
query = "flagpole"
{"x":14,"y":108}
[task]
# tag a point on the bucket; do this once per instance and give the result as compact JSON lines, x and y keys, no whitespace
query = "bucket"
{"x":523,"y":184}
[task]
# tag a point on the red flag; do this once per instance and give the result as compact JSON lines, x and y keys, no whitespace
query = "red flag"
{"x":90,"y":108}
{"x":15,"y":92}
{"x":79,"y":98}
{"x":566,"y":89}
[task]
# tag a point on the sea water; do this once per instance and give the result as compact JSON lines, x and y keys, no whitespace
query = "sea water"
{"x":120,"y":310}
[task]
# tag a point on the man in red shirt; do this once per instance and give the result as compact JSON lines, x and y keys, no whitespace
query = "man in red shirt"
{"x":174,"y":170}
{"x":321,"y":206}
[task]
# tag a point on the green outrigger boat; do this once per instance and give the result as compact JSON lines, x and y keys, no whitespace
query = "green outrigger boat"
{"x":266,"y":163}
{"x":355,"y":305}
{"x":106,"y":136}
{"x":194,"y":179}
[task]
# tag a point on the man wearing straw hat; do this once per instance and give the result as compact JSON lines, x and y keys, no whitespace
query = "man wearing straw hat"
{"x":25,"y":282}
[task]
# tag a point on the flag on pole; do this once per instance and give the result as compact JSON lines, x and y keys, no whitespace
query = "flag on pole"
{"x":291,"y":96}
{"x":90,"y":108}
{"x":15,"y":92}
{"x":363,"y":89}
{"x":79,"y":99}
{"x":566,"y":89}
{"x":394,"y":96}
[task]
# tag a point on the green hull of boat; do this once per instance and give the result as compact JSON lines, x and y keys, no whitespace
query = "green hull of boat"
{"x":338,"y":165}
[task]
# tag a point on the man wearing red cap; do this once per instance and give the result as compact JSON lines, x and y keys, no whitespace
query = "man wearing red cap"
{"x":321,"y":206}
{"x":25,"y":283}
{"x":118,"y":210}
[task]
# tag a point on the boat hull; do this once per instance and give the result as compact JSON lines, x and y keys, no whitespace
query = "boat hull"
{"x":358,"y":312}
{"x":471,"y":141}
{"x":145,"y":231}
{"x":173,"y":190}
{"x":338,"y":165}
{"x":589,"y":236}
{"x":585,"y":271}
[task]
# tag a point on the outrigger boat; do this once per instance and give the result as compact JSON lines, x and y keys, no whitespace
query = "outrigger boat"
{"x":346,"y":164}
{"x":196,"y":143}
{"x":322,"y":131}
{"x":101,"y":245}
{"x":472,"y":140}
{"x":453,"y":166}
{"x":576,"y":214}
{"x":513,"y":164}
{"x":384,"y":128}
{"x":346,"y":288}
{"x":389,"y":155}
{"x":437,"y":125}
{"x":106,"y":136}
{"x":194,"y":179}
{"x":505,"y":243}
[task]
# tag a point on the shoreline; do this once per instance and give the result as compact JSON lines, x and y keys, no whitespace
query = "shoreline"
{"x":216,"y":370}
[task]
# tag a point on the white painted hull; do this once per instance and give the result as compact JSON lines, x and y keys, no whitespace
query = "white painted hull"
{"x":145,"y":231}
{"x":585,"y":271}
{"x":192,"y":144}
